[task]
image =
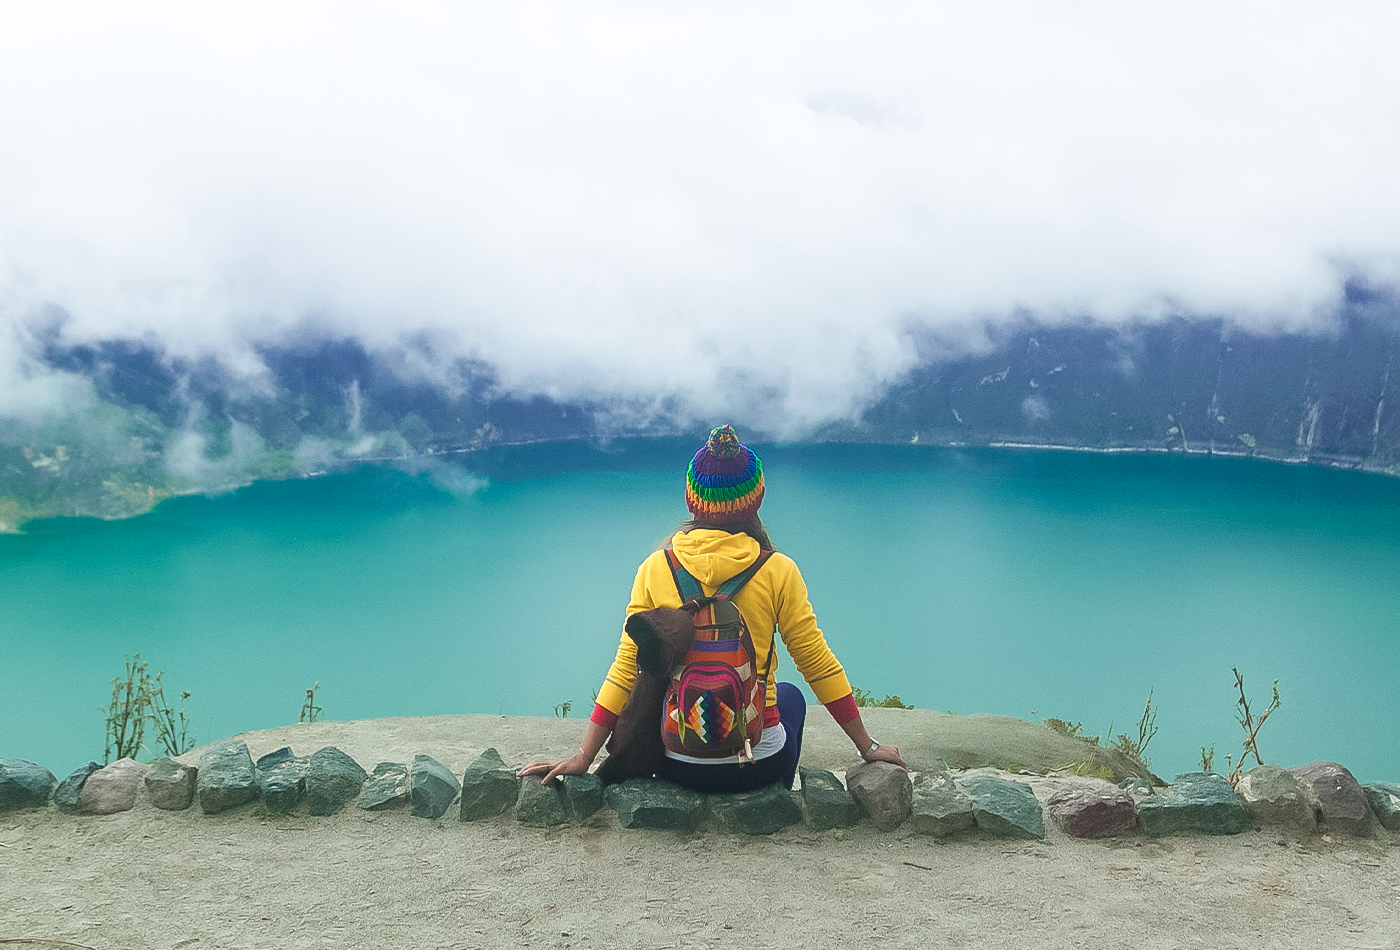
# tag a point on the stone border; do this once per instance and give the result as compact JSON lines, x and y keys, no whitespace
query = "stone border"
{"x":1322,"y":797}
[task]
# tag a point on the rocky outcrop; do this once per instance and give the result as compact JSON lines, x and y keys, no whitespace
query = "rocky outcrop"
{"x":386,"y":788}
{"x":825,"y":802}
{"x":226,"y":777}
{"x":113,"y":788}
{"x":1003,"y":808}
{"x":583,"y":794}
{"x":1275,"y":797}
{"x":488,"y":787}
{"x":170,"y":785}
{"x":282,"y":780}
{"x":884,"y":790}
{"x":940,"y":806}
{"x":1384,"y":799}
{"x":24,"y":784}
{"x":1195,"y":803}
{"x":1341,"y":804}
{"x":332,"y":779}
{"x":654,"y":803}
{"x":540,"y":805}
{"x":764,"y":811}
{"x":68,"y":798}
{"x":1093,"y":810}
{"x":432,"y":789}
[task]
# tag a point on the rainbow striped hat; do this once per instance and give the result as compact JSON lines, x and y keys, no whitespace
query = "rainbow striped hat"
{"x":725,"y":479}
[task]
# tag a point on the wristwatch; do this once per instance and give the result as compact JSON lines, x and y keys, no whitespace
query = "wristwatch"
{"x":870,"y":751}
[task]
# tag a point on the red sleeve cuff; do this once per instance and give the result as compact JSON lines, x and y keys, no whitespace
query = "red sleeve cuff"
{"x":603,"y":716}
{"x":843,"y":710}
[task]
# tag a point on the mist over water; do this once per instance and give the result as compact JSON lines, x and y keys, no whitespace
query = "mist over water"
{"x":973,"y":581}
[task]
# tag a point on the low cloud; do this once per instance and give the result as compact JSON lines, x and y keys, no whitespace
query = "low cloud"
{"x":700,"y":210}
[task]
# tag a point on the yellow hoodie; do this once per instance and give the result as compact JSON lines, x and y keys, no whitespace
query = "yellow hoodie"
{"x":774,"y":599}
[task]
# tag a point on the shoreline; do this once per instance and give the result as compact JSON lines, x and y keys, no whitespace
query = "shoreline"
{"x":1334,"y":463}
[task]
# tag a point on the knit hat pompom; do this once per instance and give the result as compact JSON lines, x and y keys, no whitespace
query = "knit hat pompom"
{"x":725,"y":479}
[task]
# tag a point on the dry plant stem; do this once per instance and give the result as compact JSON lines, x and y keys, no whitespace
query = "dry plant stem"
{"x":1251,"y":726}
{"x":309,"y":710}
{"x":126,"y":715}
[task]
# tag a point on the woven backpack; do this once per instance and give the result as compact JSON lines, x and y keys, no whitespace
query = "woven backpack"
{"x":714,"y":703}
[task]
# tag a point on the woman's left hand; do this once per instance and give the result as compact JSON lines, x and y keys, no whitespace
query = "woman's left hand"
{"x":576,"y":764}
{"x":887,"y":753}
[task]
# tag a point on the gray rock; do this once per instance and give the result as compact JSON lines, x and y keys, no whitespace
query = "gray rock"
{"x":1003,"y":808}
{"x":69,"y":795}
{"x":1384,"y":799}
{"x":112,"y":788}
{"x":655,"y":803}
{"x":226,"y":777}
{"x":282,"y":782}
{"x":1340,"y":800}
{"x":1275,"y":797}
{"x":941,"y":807}
{"x":583,"y":794}
{"x":24,"y":785}
{"x":170,"y":785}
{"x":884,"y":790}
{"x":386,"y":788}
{"x":764,"y":811}
{"x":825,"y":802}
{"x":1093,"y":811}
{"x":278,"y":757}
{"x":432,"y":789}
{"x":332,"y":779}
{"x":541,"y":805}
{"x":488,"y":787}
{"x":1195,"y":803}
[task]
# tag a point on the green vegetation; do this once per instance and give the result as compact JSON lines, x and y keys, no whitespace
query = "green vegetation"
{"x":139,"y":700}
{"x":1133,"y":748}
{"x":865,"y":699}
{"x":1208,"y":758}
{"x":561,"y":711}
{"x":1136,"y":749}
{"x":310,"y":712}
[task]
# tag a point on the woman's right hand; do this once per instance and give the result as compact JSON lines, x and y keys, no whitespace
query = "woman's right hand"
{"x":576,"y":764}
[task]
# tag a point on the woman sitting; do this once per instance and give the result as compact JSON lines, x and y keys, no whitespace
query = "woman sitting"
{"x":706,"y":745}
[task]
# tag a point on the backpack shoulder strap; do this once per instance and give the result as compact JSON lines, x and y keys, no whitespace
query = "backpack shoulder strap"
{"x":686,"y":584}
{"x":729,"y":588}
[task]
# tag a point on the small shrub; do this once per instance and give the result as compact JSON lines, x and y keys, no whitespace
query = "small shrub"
{"x":310,"y":712}
{"x":172,"y":725}
{"x":1251,"y":727}
{"x":128,"y":711}
{"x":1136,"y":749}
{"x":865,"y":699}
{"x":1072,"y":730}
{"x":139,"y":701}
{"x":562,"y":710}
{"x":1208,"y":758}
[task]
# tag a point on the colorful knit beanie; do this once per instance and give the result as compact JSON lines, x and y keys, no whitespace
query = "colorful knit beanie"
{"x":725,"y":480}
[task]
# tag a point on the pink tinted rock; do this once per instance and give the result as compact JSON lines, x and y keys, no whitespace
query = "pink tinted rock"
{"x":1093,"y":811}
{"x":113,"y":788}
{"x":1340,"y":798}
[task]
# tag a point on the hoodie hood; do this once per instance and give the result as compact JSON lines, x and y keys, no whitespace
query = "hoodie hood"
{"x":713,"y":557}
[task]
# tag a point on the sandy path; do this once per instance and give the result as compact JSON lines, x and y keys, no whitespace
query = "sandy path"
{"x":152,"y":879}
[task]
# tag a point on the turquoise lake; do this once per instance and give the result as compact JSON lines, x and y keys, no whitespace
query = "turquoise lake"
{"x":1031,"y":584}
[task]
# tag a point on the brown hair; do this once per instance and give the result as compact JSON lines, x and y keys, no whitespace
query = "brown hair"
{"x":751,"y":526}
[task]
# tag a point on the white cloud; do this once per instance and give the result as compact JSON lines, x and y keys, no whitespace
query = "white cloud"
{"x":628,"y":199}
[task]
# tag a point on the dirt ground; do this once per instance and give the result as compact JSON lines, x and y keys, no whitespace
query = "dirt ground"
{"x":153,"y":879}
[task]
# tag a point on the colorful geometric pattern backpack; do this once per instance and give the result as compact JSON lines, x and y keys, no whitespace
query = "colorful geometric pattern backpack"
{"x":714,"y":704}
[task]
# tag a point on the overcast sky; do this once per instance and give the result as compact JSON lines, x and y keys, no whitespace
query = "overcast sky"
{"x":590,"y":196}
